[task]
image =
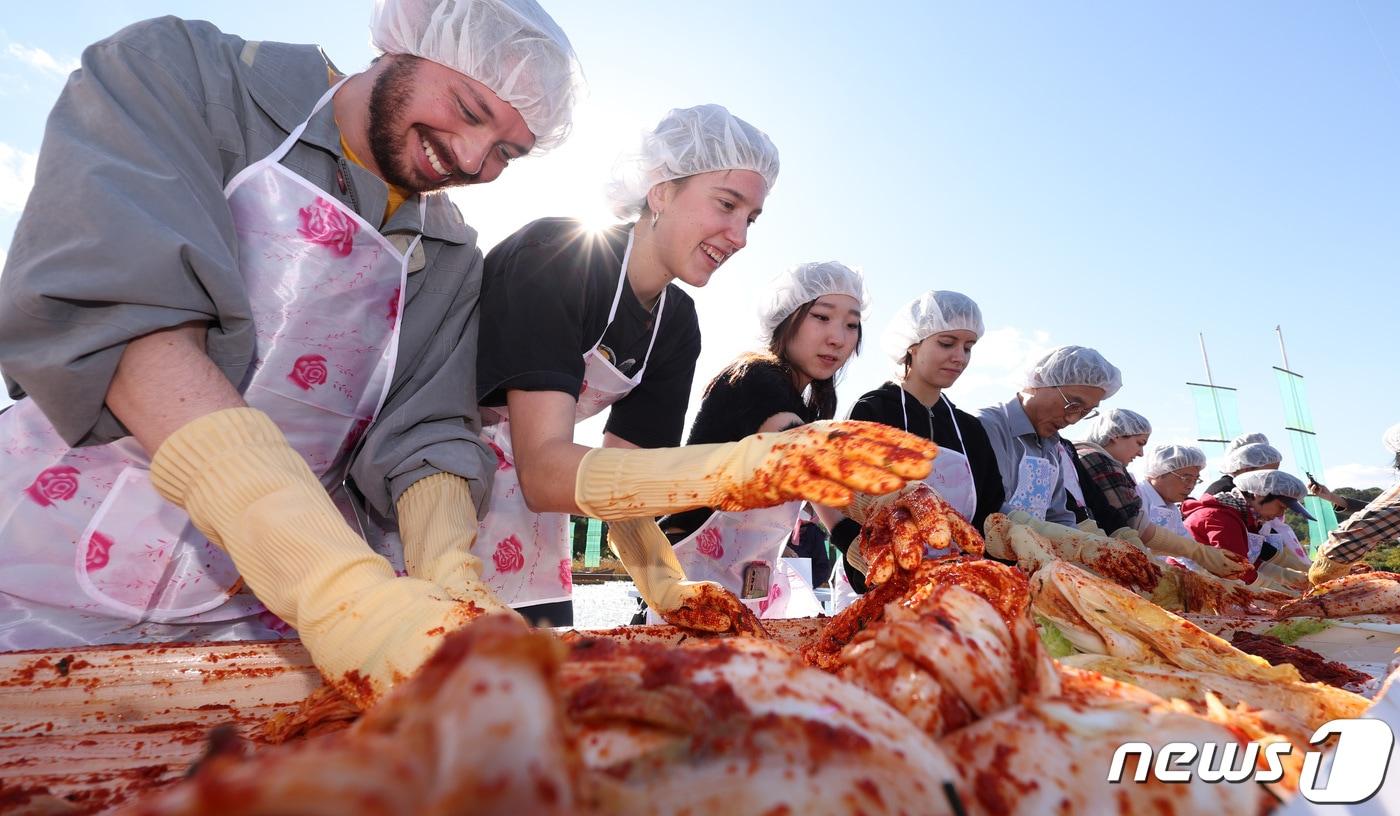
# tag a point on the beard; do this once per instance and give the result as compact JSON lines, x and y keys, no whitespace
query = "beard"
{"x":388,"y":134}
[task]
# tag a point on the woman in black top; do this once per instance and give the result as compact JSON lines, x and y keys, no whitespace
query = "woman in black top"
{"x":931,"y":339}
{"x":576,"y":322}
{"x":812,"y":325}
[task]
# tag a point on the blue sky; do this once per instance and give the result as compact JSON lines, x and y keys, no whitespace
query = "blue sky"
{"x":1121,"y":176}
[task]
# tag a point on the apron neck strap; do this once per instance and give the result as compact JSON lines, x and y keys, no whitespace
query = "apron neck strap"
{"x":621,"y":282}
{"x":295,"y":135}
{"x":617,"y":299}
{"x":957,"y":430}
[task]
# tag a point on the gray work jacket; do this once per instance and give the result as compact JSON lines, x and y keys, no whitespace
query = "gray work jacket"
{"x":127,"y":231}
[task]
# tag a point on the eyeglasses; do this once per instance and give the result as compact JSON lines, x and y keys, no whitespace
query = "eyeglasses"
{"x":1074,"y":410}
{"x":1185,"y":479}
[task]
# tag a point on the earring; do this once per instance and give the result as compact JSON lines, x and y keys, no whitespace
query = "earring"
{"x":654,"y":215}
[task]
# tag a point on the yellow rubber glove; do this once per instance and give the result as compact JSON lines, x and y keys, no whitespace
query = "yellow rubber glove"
{"x":1286,"y":558}
{"x":904,"y":523}
{"x":253,"y":495}
{"x":1092,"y":527}
{"x":646,"y":553}
{"x":1324,"y":569}
{"x":900,"y":530}
{"x":437,"y":524}
{"x":1281,"y":579}
{"x":1213,"y":559}
{"x":824,"y":462}
{"x":1131,"y":536}
{"x":1047,"y":529}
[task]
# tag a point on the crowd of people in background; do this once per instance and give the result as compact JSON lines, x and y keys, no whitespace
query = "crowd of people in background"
{"x":1012,"y":458}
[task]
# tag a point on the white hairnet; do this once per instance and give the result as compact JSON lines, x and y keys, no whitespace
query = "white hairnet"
{"x":685,"y":142}
{"x":1271,"y":482}
{"x":511,"y":46}
{"x":1253,"y":455}
{"x":1116,"y":422}
{"x":928,"y":314}
{"x":1075,"y":365}
{"x":1246,"y":439}
{"x":1164,"y":459}
{"x":804,"y":283}
{"x":1391,"y":438}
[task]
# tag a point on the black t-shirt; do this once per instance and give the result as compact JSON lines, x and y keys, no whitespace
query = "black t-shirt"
{"x":936,"y":423}
{"x":545,"y":298}
{"x":734,"y":407}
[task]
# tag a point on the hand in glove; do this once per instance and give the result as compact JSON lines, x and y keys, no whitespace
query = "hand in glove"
{"x":708,"y":607}
{"x":1213,"y":559}
{"x":824,"y":462}
{"x":437,"y":524}
{"x":1132,"y":536}
{"x":1092,"y":527}
{"x":1047,"y":529}
{"x":1272,"y":576}
{"x":1288,"y":559}
{"x":901,"y":529}
{"x":1324,"y":569}
{"x":253,"y":495}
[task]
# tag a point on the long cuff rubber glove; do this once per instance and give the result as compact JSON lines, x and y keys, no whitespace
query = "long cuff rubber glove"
{"x":1213,"y":559}
{"x":902,"y":529}
{"x":1049,"y":529}
{"x":1285,"y":557}
{"x":1091,"y":527}
{"x":253,"y":495}
{"x":646,"y":553}
{"x":1324,"y":569}
{"x":896,"y":527}
{"x":824,"y":462}
{"x":1132,"y":536}
{"x":1281,"y":579}
{"x":438,"y":525}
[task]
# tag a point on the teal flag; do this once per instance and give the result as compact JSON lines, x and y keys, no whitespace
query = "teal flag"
{"x":1217,"y":416}
{"x":1302,"y":435}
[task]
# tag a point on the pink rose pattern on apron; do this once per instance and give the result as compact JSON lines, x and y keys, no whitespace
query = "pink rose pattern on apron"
{"x":542,"y":538}
{"x":58,"y":483}
{"x":308,"y":371}
{"x":509,"y":555}
{"x":709,"y":543}
{"x":99,"y":546}
{"x":319,"y":280}
{"x":324,"y":223}
{"x":728,"y":543}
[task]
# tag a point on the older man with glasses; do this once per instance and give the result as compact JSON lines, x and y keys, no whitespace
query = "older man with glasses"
{"x":1062,"y":388}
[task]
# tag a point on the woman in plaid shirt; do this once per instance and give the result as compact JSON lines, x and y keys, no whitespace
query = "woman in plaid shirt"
{"x":1376,"y":524}
{"x":1115,"y":439}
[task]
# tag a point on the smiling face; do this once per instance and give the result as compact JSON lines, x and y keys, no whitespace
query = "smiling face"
{"x":702,"y":220}
{"x":939,"y":359}
{"x":824,"y":338}
{"x":1050,"y":413}
{"x":1126,"y":448}
{"x":431,"y":127}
